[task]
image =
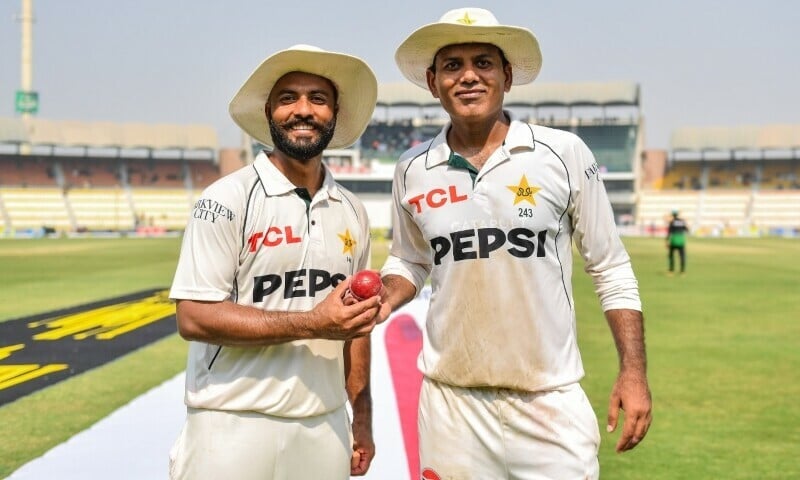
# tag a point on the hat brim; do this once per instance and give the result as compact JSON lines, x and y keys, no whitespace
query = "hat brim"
{"x":356,"y":85}
{"x":519,"y":45}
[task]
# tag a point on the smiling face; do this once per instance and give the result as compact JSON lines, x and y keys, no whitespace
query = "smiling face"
{"x":301,"y":111}
{"x":470,"y":80}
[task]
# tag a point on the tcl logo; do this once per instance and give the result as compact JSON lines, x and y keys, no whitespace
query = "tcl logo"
{"x":272,"y":237}
{"x":436,"y":198}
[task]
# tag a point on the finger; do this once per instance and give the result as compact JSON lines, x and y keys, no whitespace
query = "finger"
{"x":631,"y":432}
{"x":359,"y":313}
{"x":349,"y":299}
{"x":366,"y":458}
{"x":642,"y":426}
{"x":370,"y":306}
{"x":613,"y":414}
{"x":341,"y":289}
{"x":384,"y":312}
{"x":628,"y":439}
{"x":634,"y":441}
{"x":364,"y":330}
{"x":364,"y":322}
{"x":358,"y":470}
{"x":627,"y":442}
{"x":359,"y":467}
{"x":622,"y":443}
{"x":355,"y":462}
{"x":640,"y":430}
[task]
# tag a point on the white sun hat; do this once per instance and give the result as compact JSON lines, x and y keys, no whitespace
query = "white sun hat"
{"x":469,"y":25}
{"x":356,"y":85}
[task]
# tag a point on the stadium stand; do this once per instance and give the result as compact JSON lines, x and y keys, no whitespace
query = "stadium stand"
{"x":682,"y":176}
{"x":653,"y":209}
{"x":161,"y":208}
{"x":606,"y":115}
{"x":203,"y":174}
{"x":34,"y":211}
{"x":777,"y":212}
{"x":728,"y":181}
{"x":105,"y":177}
{"x":614,"y":146}
{"x":21,"y":171}
{"x":100,"y":209}
{"x":77,"y":177}
{"x":12,"y":172}
{"x":781,"y":175}
{"x":84,"y":172}
{"x":156,"y":172}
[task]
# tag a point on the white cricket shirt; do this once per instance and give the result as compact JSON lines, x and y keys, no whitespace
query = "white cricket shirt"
{"x":253,"y":240}
{"x":498,"y":247}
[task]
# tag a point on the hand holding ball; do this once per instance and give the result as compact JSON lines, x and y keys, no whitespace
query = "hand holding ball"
{"x":365,"y":284}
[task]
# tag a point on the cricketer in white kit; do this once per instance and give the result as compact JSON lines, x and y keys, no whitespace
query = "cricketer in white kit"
{"x":275,"y":352}
{"x":489,"y":209}
{"x":291,"y":251}
{"x":506,"y":233}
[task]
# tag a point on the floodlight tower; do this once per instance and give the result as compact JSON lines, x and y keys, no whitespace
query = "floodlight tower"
{"x":26,"y":80}
{"x":27,"y":101}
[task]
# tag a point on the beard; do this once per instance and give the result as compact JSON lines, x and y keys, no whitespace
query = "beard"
{"x":304,"y":149}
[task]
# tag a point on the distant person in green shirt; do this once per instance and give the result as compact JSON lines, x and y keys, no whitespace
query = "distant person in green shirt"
{"x":676,"y":241}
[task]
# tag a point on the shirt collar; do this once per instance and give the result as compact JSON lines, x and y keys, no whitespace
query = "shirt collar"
{"x":520,"y":135}
{"x":275,"y":183}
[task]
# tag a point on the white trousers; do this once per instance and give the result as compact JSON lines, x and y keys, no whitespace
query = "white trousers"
{"x":492,"y":434}
{"x":219,"y":445}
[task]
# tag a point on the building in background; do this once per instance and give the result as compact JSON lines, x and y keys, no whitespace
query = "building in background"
{"x":103,"y":178}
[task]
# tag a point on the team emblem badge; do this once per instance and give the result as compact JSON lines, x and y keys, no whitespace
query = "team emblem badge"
{"x":348,"y":241}
{"x":524,"y":192}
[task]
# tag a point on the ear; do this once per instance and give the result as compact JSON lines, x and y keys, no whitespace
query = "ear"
{"x":430,"y":76}
{"x":509,"y":77}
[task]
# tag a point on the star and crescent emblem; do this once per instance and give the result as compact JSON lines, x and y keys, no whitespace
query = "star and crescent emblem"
{"x":466,"y":20}
{"x":348,"y":241}
{"x":524,"y":192}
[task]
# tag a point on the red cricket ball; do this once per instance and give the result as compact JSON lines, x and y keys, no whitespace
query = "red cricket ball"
{"x":365,"y":284}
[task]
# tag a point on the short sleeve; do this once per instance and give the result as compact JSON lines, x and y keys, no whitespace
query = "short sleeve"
{"x":209,"y":255}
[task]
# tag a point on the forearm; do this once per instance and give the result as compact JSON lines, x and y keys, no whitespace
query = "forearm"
{"x":398,"y":291}
{"x":226,"y":323}
{"x":630,"y":393}
{"x":627,"y":327}
{"x":357,"y":357}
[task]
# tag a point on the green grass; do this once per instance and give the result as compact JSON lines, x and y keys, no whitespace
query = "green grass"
{"x":42,"y":275}
{"x":723,"y":346}
{"x":724,"y":361}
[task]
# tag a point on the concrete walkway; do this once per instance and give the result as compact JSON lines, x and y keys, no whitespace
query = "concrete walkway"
{"x":133,"y":442}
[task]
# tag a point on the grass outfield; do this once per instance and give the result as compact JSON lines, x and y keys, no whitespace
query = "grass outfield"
{"x":723,"y":345}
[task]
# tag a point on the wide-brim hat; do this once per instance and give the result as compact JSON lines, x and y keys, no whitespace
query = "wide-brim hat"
{"x":356,"y":85}
{"x":469,"y":25}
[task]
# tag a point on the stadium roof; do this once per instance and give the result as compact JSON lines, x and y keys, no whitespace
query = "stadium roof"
{"x":406,"y":94}
{"x":69,"y":133}
{"x":767,"y":137}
